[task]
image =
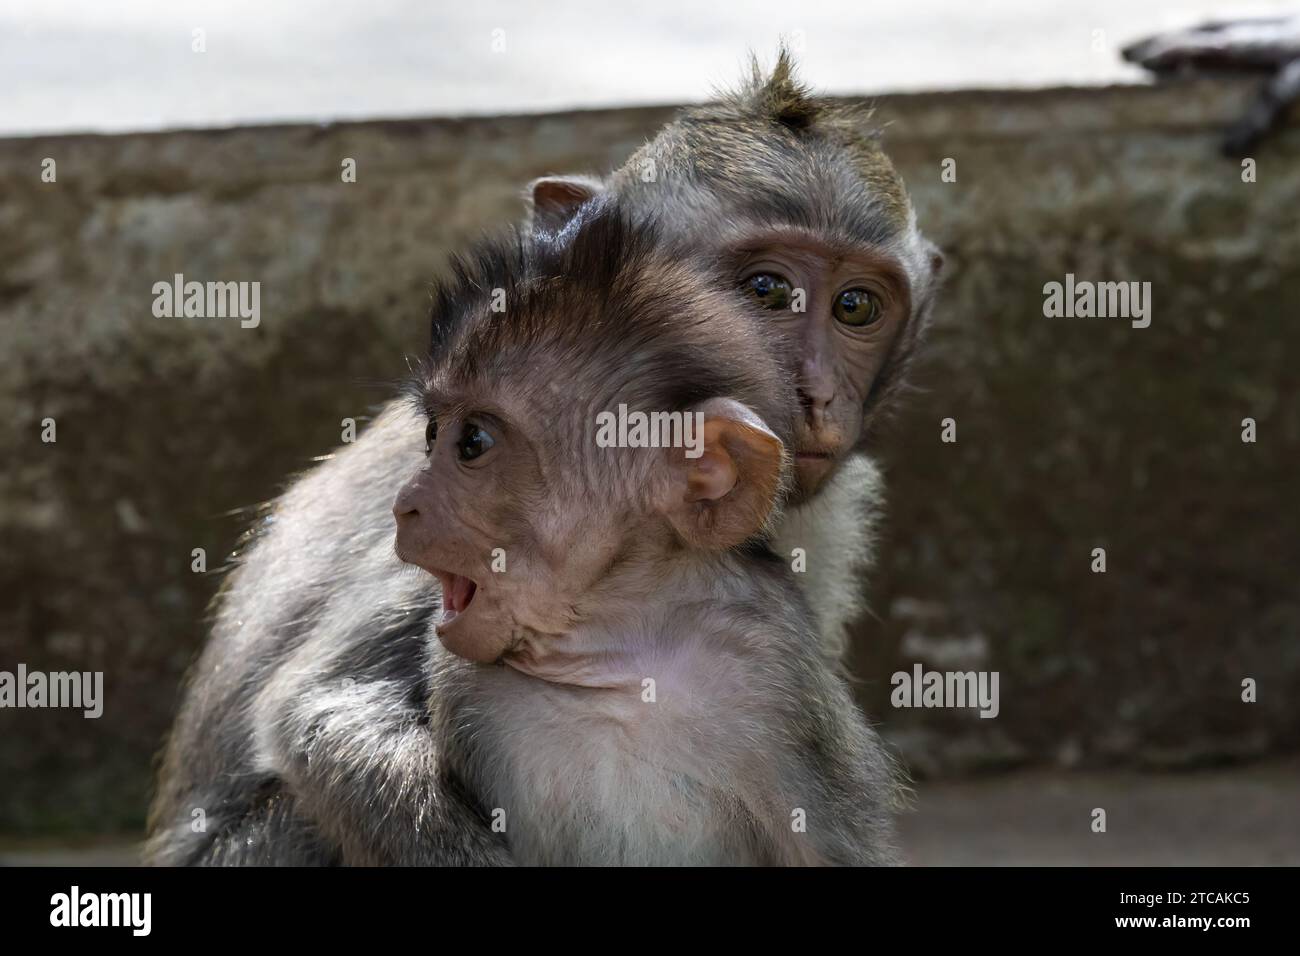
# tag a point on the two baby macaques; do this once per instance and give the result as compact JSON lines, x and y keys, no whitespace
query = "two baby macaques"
{"x":628,"y":563}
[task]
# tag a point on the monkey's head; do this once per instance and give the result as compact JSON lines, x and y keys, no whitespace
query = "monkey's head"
{"x":597,"y":410}
{"x":792,"y":196}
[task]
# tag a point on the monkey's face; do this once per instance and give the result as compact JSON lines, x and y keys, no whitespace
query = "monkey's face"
{"x":841,"y":310}
{"x":512,"y":532}
{"x":798,"y":189}
{"x":488,"y":518}
{"x":624,"y":406}
{"x":454,"y":518}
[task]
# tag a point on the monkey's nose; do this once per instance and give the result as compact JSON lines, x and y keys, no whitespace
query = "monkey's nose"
{"x":408,"y":539}
{"x":404,"y":507}
{"x":815,"y":400}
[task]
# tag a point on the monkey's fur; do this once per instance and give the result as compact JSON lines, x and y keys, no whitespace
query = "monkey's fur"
{"x":319,"y":618}
{"x":712,"y":770}
{"x":772,"y":154}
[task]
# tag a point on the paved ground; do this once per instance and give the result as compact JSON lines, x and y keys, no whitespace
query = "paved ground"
{"x":1240,"y":817}
{"x":1232,"y":817}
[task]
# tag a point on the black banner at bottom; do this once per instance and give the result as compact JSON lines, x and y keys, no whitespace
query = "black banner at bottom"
{"x":334,"y":906}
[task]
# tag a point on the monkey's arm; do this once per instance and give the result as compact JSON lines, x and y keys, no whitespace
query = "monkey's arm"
{"x":343,"y":718}
{"x":848,"y":798}
{"x":859,"y":800}
{"x":365,"y":763}
{"x":839,"y":774}
{"x":319,"y":599}
{"x":249,"y":824}
{"x":272,"y":833}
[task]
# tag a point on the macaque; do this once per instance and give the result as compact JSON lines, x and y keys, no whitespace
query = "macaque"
{"x":793,"y":198}
{"x":789,"y":204}
{"x":631,"y":569}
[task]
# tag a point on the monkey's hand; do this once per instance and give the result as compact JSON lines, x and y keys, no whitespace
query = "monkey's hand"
{"x":363,"y":763}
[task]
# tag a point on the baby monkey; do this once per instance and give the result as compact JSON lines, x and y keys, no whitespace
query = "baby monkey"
{"x":633,"y":677}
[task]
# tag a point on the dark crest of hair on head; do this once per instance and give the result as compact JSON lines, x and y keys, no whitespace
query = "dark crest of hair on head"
{"x":772,"y":148}
{"x":601,"y":308}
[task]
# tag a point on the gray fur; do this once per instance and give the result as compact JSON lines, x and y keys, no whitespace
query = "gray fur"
{"x":837,"y":532}
{"x":291,"y":763}
{"x":750,"y":726}
{"x":269,"y":709}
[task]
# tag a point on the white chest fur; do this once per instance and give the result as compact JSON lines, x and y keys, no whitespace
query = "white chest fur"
{"x":836,"y":532}
{"x":640,"y":774}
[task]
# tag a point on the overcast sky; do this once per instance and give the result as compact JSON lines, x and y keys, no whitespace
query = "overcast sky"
{"x":129,"y":65}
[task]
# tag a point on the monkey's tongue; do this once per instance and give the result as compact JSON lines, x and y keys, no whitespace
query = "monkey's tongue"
{"x":457,"y":592}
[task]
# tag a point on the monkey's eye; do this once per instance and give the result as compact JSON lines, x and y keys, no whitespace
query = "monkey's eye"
{"x":474,"y":441}
{"x":770,"y":290}
{"x":430,"y":434}
{"x":856,"y":307}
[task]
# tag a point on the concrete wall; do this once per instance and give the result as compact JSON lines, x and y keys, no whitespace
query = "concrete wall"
{"x":1072,"y":433}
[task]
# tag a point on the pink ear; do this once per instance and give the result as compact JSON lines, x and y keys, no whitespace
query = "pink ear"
{"x":726,"y":495}
{"x":713,"y":474}
{"x":553,"y":200}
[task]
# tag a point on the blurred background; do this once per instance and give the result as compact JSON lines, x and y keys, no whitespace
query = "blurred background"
{"x":1119,"y":690}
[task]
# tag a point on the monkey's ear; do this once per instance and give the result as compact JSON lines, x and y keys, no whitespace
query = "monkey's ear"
{"x":725,"y":495}
{"x":553,"y":200}
{"x":935,"y":256}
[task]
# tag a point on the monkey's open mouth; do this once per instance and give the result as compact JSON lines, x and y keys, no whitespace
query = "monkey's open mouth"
{"x":457,"y":592}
